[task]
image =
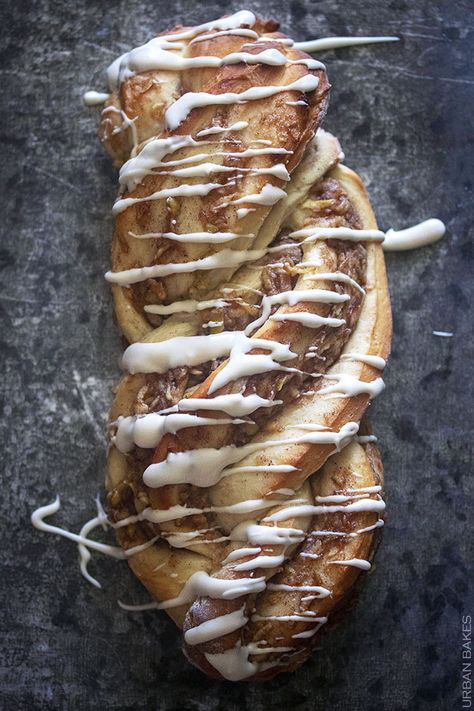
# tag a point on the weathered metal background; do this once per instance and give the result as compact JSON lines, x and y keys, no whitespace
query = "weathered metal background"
{"x":403,"y":113}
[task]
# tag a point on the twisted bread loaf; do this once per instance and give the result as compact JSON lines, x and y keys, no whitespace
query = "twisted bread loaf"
{"x":242,"y":169}
{"x":257,"y":309}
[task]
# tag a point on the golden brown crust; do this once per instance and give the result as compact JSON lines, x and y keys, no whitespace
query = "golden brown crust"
{"x":376,"y":329}
{"x":285,"y":126}
{"x":321,"y":154}
{"x":283,"y":469}
{"x":311,"y":565}
{"x":145,"y":97}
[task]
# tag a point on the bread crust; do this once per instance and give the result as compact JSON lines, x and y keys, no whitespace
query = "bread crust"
{"x":371,"y":335}
{"x":271,"y":121}
{"x":311,"y":564}
{"x":298,"y":452}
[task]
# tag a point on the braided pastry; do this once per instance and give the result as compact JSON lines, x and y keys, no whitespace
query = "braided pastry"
{"x":249,"y":279}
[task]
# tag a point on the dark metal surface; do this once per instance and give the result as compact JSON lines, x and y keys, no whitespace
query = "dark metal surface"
{"x":403,"y":114}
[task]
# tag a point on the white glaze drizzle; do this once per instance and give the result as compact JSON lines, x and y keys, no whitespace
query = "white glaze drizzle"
{"x":255,"y":649}
{"x":154,"y":56}
{"x":207,"y":169}
{"x":178,"y":351}
{"x":194,"y":350}
{"x":206,"y":466}
{"x":137,"y":608}
{"x":309,"y":320}
{"x":238,"y":126}
{"x":307,"y":633}
{"x":225,"y":33}
{"x":378,"y":524}
{"x":84,"y":554}
{"x":240,"y":553}
{"x":93,"y":98}
{"x":226,"y":258}
{"x":269,"y":195}
{"x":147,"y":430}
{"x":233,"y":404}
{"x":346,"y":385}
{"x":242,"y":212}
{"x":307,"y":616}
{"x":371,"y":505}
{"x":353,"y":562}
{"x":286,"y":41}
{"x":255,"y":469}
{"x":176,"y":512}
{"x":329,"y":276}
{"x":217,"y":627}
{"x":343,"y":534}
{"x":155,"y":150}
{"x":365,"y":489}
{"x":312,"y":234}
{"x":373,"y":360}
{"x":259,"y":535}
{"x":202,"y":584}
{"x":185,"y":539}
{"x":152,"y":153}
{"x":234,"y":663}
{"x":193,"y":237}
{"x":241,"y":364}
{"x":127,"y":122}
{"x":37,"y":519}
{"x":180,"y":109}
{"x":313,"y":556}
{"x":200,"y":467}
{"x":147,"y":57}
{"x":326,"y":43}
{"x":199,"y":190}
{"x":230,"y":22}
{"x":187,"y":306}
{"x":292,"y":298}
{"x":141,"y":547}
{"x":420,"y":235}
{"x":261,"y":561}
{"x":283,"y":587}
{"x":443,"y":334}
{"x":337,"y":498}
{"x":246,"y":153}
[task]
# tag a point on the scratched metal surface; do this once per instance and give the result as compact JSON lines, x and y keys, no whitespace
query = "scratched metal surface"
{"x":403,"y":114}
